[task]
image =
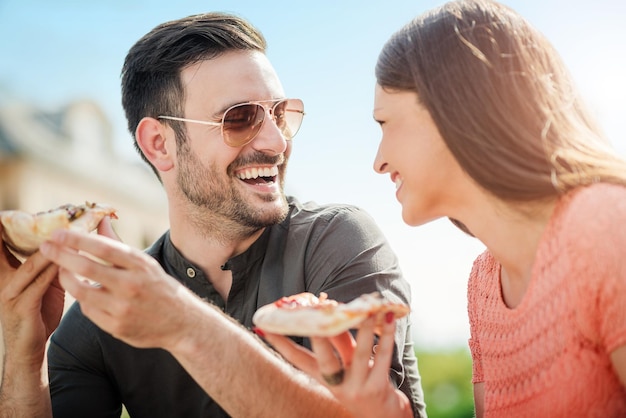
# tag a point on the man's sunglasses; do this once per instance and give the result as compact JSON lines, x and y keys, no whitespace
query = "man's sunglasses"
{"x":242,"y":122}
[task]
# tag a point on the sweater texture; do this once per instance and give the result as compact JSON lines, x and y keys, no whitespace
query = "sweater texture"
{"x":550,"y":355}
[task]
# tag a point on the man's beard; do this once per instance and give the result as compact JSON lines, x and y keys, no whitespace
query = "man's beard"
{"x":214,"y":193}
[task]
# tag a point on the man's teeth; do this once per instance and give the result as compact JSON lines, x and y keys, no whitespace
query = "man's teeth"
{"x":253,"y":173}
{"x":398,"y":183}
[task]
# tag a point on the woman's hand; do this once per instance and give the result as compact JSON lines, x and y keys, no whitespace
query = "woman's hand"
{"x":357,"y":373}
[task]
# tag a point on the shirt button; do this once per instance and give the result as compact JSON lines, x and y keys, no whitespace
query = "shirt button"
{"x":191,"y":272}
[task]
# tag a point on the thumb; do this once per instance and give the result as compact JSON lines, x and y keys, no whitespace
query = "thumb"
{"x":345,"y":346}
{"x":6,"y":256}
{"x":105,"y":228}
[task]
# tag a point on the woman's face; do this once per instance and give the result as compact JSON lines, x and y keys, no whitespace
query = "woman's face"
{"x":415,"y":156}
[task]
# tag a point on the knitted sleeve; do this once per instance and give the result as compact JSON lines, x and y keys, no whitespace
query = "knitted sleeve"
{"x":476,"y":292}
{"x":598,"y":244}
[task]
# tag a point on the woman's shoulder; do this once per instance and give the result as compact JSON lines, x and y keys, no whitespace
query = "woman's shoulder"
{"x":596,"y":199}
{"x":484,"y":270}
{"x":592,"y":210}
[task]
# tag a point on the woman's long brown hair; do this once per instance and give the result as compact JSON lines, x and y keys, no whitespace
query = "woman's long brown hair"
{"x":502,"y":100}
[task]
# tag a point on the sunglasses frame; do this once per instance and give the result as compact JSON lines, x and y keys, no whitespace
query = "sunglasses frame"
{"x":221,"y":124}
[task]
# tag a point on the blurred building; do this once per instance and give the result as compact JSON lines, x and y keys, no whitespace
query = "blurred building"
{"x":50,"y":158}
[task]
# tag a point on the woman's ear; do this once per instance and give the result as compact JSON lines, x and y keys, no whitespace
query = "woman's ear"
{"x":152,"y":140}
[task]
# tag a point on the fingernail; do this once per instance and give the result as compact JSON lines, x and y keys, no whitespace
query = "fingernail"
{"x":389,"y":317}
{"x":258,"y":332}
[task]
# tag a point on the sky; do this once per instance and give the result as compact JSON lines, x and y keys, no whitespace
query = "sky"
{"x":53,"y":52}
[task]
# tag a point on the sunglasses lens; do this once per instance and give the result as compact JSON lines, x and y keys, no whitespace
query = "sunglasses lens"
{"x":242,"y":123}
{"x":288,"y":116}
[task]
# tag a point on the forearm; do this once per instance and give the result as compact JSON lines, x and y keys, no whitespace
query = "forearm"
{"x":24,"y":391}
{"x":244,"y":377}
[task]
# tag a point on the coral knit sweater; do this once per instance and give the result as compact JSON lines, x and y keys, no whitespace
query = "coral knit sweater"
{"x":549,"y":356}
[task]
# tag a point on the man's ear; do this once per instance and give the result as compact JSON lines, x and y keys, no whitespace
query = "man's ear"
{"x":152,"y":139}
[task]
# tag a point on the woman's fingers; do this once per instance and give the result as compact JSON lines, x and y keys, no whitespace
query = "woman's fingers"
{"x":365,"y":360}
{"x":344,"y":344}
{"x":299,"y":356}
{"x":331,"y":369}
{"x":327,"y":358}
{"x":363,"y":353}
{"x":324,"y":363}
{"x":384,"y":349}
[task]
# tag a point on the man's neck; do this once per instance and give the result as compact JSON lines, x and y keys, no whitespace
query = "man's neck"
{"x":210,"y":245}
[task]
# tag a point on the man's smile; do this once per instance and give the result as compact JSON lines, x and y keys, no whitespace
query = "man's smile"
{"x":258,"y":175}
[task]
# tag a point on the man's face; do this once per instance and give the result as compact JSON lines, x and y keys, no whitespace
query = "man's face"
{"x":242,"y":184}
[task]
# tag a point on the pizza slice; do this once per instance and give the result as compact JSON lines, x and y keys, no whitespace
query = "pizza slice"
{"x":23,"y":232}
{"x":306,"y":315}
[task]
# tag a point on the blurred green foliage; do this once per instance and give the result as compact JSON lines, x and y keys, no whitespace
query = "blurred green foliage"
{"x":447,"y":382}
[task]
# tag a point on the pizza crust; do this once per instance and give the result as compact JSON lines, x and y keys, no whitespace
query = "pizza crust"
{"x":305,"y":315}
{"x":23,"y":232}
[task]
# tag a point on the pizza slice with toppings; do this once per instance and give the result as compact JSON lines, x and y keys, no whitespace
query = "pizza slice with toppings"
{"x":306,"y":315}
{"x":23,"y":232}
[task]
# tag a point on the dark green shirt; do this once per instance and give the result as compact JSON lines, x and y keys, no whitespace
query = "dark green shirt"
{"x":337,"y":249}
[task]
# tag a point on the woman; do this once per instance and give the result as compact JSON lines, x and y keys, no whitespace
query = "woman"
{"x":481,"y":124}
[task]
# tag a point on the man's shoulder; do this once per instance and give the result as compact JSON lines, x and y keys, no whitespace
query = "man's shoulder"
{"x":312,"y":211}
{"x":338,"y":223}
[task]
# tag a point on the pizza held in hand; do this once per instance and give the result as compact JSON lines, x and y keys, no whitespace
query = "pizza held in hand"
{"x":306,"y":315}
{"x":23,"y":232}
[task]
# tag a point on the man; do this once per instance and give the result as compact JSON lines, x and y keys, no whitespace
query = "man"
{"x":208,"y":113}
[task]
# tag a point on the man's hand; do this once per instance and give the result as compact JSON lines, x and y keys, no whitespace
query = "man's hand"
{"x":31,"y":304}
{"x":128,"y":294}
